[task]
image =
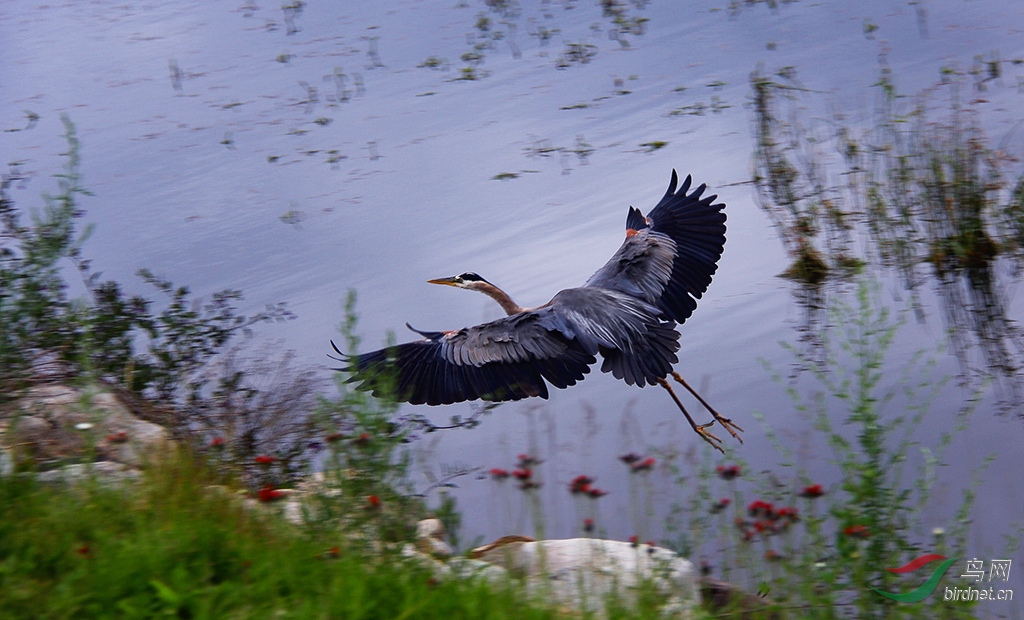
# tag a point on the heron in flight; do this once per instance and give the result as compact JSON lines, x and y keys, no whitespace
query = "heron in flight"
{"x":627,"y":312}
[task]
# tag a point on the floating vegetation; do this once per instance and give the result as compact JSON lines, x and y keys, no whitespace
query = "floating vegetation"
{"x":284,"y":58}
{"x":472,"y":57}
{"x":434,"y":62}
{"x":505,"y":176}
{"x":650,"y":147}
{"x":334,"y":156}
{"x":576,"y":53}
{"x":922,"y":183}
{"x":293,"y":217}
{"x":272,"y":159}
{"x":323,"y":121}
{"x":623,"y":23}
{"x":471,"y":74}
{"x":715,"y":106}
{"x":575,"y":106}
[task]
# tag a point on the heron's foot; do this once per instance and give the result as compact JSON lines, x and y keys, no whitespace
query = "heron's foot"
{"x":707,"y":436}
{"x":729,"y":425}
{"x":726,"y":423}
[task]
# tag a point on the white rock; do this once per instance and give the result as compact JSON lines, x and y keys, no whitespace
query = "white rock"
{"x":581,"y":573}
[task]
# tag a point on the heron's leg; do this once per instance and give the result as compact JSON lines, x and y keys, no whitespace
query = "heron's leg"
{"x":700,"y":429}
{"x":728,"y":424}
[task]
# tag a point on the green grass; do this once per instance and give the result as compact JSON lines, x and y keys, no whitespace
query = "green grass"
{"x":173,"y":547}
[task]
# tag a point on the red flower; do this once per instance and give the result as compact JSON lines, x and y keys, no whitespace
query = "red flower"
{"x":265,"y":459}
{"x":118,"y":437}
{"x":634,"y":540}
{"x":362,"y":439}
{"x":720,"y":505}
{"x":217,"y":442}
{"x":499,"y":474}
{"x":596,"y":493}
{"x":580,"y":484}
{"x":857,"y":531}
{"x":373,"y":502}
{"x":812,"y":491}
{"x":334,"y":552}
{"x":761,"y":508}
{"x":645,"y":465}
{"x":588,"y":525}
{"x":84,"y":550}
{"x":728,"y":472}
{"x":269,"y":494}
{"x":789,"y":513}
{"x":650,"y":543}
{"x":523,"y":474}
{"x":333,"y":437}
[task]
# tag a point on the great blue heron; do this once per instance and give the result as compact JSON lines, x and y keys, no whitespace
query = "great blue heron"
{"x":627,"y":312}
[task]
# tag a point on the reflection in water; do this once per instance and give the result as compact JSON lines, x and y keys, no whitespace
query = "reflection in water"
{"x":930,"y":197}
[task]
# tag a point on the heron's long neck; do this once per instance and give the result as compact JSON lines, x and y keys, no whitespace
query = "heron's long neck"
{"x":510,"y":307}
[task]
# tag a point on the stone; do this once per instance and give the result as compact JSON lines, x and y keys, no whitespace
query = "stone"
{"x":580,"y":573}
{"x":57,"y":422}
{"x":106,"y":472}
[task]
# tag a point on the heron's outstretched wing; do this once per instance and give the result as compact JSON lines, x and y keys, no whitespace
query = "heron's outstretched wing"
{"x":668,"y":257}
{"x":512,"y":357}
{"x":506,"y":359}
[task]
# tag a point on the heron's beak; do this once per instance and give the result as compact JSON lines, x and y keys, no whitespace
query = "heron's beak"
{"x":446,"y":281}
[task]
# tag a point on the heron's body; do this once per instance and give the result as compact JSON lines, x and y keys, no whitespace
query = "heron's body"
{"x":627,"y":313}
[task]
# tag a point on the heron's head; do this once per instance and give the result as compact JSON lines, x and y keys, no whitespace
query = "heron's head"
{"x":468,"y":280}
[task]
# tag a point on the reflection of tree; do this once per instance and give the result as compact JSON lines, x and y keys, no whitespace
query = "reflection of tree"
{"x":931,"y":198}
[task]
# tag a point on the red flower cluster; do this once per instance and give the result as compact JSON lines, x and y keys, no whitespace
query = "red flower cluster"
{"x":522,"y":474}
{"x":728,"y":472}
{"x":582,"y":485}
{"x":768,"y":519}
{"x":588,"y":525}
{"x":372,"y":502}
{"x":498,"y":473}
{"x":525,"y":477}
{"x":269,"y":494}
{"x":812,"y":491}
{"x":857,"y":531}
{"x":363,"y":439}
{"x":217,"y":442}
{"x":120,"y":437}
{"x":265,"y":459}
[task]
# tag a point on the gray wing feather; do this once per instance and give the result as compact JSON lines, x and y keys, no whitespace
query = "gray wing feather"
{"x":641,"y":267}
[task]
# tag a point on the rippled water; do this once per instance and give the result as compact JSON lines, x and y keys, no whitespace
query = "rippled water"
{"x":296,"y":154}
